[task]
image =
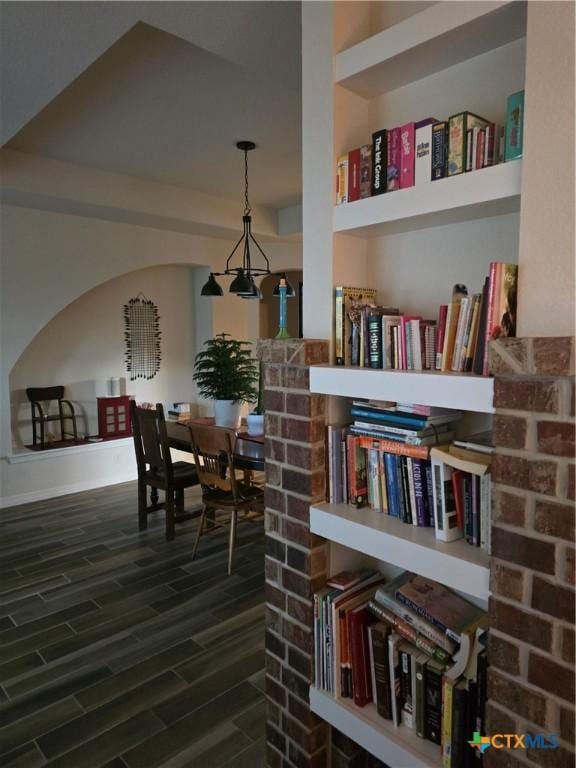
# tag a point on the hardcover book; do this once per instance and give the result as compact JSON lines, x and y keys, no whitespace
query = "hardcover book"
{"x":407,"y":155}
{"x":514,"y":126}
{"x":342,"y":180}
{"x":365,"y":170}
{"x":354,"y":175}
{"x":379,"y":162}
{"x":423,"y":150}
{"x":439,"y":150}
{"x":347,"y":311}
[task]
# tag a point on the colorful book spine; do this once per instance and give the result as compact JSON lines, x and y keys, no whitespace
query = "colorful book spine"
{"x":407,"y":155}
{"x":423,"y":151}
{"x":357,"y":485}
{"x":433,"y":705}
{"x":442,"y":313}
{"x":460,"y":133}
{"x":342,"y":180}
{"x":379,"y":162}
{"x":394,"y":160}
{"x":395,"y":447}
{"x":379,"y":634}
{"x":439,"y":150}
{"x":365,"y":170}
{"x":353,"y":175}
{"x":375,"y":339}
{"x":446,"y":738}
{"x":514,"y":126}
{"x":493,"y":291}
{"x":408,"y":633}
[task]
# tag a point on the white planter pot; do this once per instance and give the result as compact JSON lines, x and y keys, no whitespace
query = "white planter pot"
{"x":255,"y":422}
{"x":227,"y":413}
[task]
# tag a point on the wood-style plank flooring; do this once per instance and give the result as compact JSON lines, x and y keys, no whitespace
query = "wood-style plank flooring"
{"x":117,"y":650}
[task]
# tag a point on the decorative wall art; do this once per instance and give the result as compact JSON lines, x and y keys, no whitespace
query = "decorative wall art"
{"x":142,"y":334}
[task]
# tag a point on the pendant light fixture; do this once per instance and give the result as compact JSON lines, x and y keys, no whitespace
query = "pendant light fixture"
{"x":243,"y":284}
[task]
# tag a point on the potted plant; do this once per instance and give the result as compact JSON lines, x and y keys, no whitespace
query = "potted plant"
{"x":226,"y":373}
{"x":255,"y":419}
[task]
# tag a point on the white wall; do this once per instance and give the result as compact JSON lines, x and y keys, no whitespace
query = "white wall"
{"x":84,"y":345}
{"x":47,"y":261}
{"x":546,"y":278}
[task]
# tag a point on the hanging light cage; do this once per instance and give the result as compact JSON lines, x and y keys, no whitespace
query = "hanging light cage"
{"x":243,"y":284}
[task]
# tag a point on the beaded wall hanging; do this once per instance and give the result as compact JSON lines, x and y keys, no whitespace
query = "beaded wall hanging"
{"x":142,"y":335}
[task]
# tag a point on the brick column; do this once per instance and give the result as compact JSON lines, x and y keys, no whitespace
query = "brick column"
{"x":531,"y":646}
{"x":295,"y":558}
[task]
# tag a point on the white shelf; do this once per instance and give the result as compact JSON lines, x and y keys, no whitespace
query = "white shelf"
{"x":492,"y":191}
{"x":464,"y":391}
{"x":398,"y":747}
{"x":428,"y":42}
{"x":456,"y":564}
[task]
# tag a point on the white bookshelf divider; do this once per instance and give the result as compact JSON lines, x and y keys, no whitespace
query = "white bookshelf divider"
{"x":428,"y":42}
{"x":465,"y":391}
{"x":400,"y":747}
{"x":456,"y":564}
{"x":492,"y":191}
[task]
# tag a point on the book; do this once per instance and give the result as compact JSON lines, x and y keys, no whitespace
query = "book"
{"x":460,"y":130}
{"x":386,"y":596}
{"x":459,"y":736}
{"x":357,"y":477}
{"x":478,"y":361}
{"x":393,"y":161}
{"x":342,"y":180}
{"x":445,"y":516}
{"x":440,"y":606}
{"x":442,"y":315}
{"x":353,"y":175}
{"x":345,"y":580}
{"x":419,"y":718}
{"x":348,"y":301}
{"x":407,"y":701}
{"x":439,"y":150}
{"x":365,"y":170}
{"x":423,"y":150}
{"x":378,"y":638}
{"x":359,"y":619}
{"x":375,"y":338}
{"x":514,"y":126}
{"x":433,"y":701}
{"x":379,"y":162}
{"x":452,"y":318}
{"x":393,"y":447}
{"x":407,"y":155}
{"x":446,"y":735}
{"x":394,"y":641}
{"x":407,"y":632}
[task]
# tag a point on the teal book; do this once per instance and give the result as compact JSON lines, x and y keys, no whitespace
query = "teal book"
{"x":514,"y":126}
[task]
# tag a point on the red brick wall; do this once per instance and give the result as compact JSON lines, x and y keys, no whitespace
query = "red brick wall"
{"x":295,"y":558}
{"x":531,"y":646}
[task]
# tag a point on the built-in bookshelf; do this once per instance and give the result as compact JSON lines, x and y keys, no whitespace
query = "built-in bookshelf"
{"x":465,"y":391}
{"x":439,"y":61}
{"x":455,"y":564}
{"x":479,"y":194}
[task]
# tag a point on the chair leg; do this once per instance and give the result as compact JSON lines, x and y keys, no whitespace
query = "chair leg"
{"x":199,"y":533}
{"x":170,"y":514}
{"x":42,"y":434}
{"x":154,"y":496}
{"x":142,"y":511}
{"x":232,"y":542}
{"x":180,"y":501}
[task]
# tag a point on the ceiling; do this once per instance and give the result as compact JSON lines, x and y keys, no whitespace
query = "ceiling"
{"x":176,"y":85}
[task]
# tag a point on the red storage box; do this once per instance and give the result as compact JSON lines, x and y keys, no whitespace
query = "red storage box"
{"x":114,"y":416}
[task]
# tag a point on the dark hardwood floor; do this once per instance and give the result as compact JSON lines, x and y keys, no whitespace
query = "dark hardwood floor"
{"x":117,"y":650}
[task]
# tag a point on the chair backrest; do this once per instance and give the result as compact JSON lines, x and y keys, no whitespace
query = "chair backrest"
{"x":213,"y":449}
{"x":40,"y":394}
{"x":151,"y":440}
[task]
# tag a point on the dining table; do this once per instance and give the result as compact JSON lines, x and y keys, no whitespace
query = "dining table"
{"x":248,"y":449}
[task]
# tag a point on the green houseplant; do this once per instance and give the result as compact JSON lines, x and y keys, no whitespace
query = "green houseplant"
{"x":226,"y":373}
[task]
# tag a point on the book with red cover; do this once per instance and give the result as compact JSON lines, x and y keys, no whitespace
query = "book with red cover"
{"x":354,"y":175}
{"x":359,"y":620}
{"x":407,"y":155}
{"x":457,"y":488}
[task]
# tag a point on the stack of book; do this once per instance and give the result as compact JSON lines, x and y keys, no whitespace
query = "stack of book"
{"x":400,"y":461}
{"x":413,"y":648}
{"x":428,"y":150}
{"x":370,"y":336}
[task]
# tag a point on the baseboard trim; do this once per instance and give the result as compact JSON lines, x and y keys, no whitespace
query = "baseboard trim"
{"x":63,"y":490}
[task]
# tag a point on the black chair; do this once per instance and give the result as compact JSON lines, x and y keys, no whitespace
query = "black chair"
{"x":39,"y":395}
{"x":155,"y":469}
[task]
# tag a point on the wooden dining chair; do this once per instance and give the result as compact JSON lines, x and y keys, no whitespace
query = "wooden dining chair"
{"x":157,"y":471}
{"x":222,"y":491}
